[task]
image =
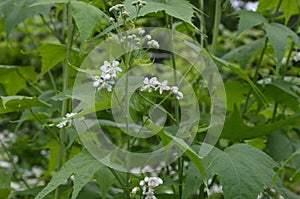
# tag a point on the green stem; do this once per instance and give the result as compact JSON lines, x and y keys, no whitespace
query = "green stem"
{"x":202,"y":24}
{"x":217,"y":21}
{"x":180,"y":160}
{"x":66,"y":71}
{"x":255,"y":76}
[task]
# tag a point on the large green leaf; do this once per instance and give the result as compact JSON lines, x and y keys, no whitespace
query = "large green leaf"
{"x":279,"y":36}
{"x":193,"y":181}
{"x":51,"y":54}
{"x":4,"y":184}
{"x":15,"y":103}
{"x":17,"y":11}
{"x":248,"y":20}
{"x":236,"y":129}
{"x":288,"y":7}
{"x":287,"y":97}
{"x":180,"y":9}
{"x":238,"y":71}
{"x":82,"y":165}
{"x":244,"y":171}
{"x":13,"y":78}
{"x":86,"y":17}
{"x":244,"y":53}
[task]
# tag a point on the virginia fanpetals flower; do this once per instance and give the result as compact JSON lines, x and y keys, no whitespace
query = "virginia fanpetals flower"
{"x":150,"y":84}
{"x":66,"y":120}
{"x":176,"y":92}
{"x":148,"y":184}
{"x":109,"y":73}
{"x":162,"y":86}
{"x":153,"y":83}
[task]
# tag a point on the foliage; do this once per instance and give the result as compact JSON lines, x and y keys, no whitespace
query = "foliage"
{"x":65,"y":68}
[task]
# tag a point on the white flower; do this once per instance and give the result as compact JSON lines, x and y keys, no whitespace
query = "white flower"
{"x":135,"y":190}
{"x":148,"y":37}
{"x":108,"y":75}
{"x":153,"y":44}
{"x":140,"y":31}
{"x":176,"y":92}
{"x":66,"y":120}
{"x":142,"y":183}
{"x":150,"y":84}
{"x":70,"y":115}
{"x":154,"y":182}
{"x":296,"y":57}
{"x":163,"y":86}
{"x":62,"y":124}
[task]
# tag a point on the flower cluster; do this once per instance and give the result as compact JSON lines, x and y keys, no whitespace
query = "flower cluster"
{"x":119,"y":10}
{"x":154,"y":84}
{"x":148,"y":185}
{"x":66,"y":120}
{"x":138,"y":39}
{"x":108,"y":75}
{"x":138,"y":3}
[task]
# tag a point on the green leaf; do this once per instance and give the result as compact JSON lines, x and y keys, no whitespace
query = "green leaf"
{"x":51,"y":54}
{"x":259,"y":95}
{"x":46,"y":2}
{"x":188,"y":151}
{"x":249,"y":19}
{"x":4,"y":184}
{"x":288,"y":7}
{"x":16,"y":12}
{"x":193,"y":181}
{"x":180,"y":9}
{"x":86,"y":17}
{"x":287,"y":97}
{"x":244,"y":171}
{"x":279,"y":38}
{"x":235,"y":129}
{"x":244,"y":53}
{"x":105,"y":179}
{"x":15,"y":103}
{"x":235,"y":94}
{"x":14,"y":78}
{"x":82,"y":165}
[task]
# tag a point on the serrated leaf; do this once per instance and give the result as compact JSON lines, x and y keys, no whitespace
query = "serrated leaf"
{"x":279,"y":36}
{"x":105,"y":179}
{"x":4,"y":184}
{"x":82,"y":165}
{"x":244,"y":171}
{"x":13,"y":78}
{"x":193,"y":181}
{"x":51,"y":54}
{"x":17,"y":11}
{"x":236,"y":129}
{"x":287,"y":97}
{"x":180,"y":9}
{"x":288,"y":7}
{"x":249,"y":19}
{"x":86,"y":22}
{"x":244,"y":53}
{"x":15,"y":103}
